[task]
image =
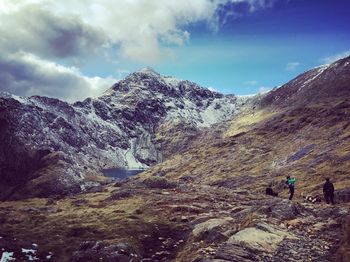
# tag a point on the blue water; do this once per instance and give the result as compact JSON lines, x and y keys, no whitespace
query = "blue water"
{"x":120,"y":173}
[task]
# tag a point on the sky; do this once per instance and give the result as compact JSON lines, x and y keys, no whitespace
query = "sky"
{"x":75,"y":49}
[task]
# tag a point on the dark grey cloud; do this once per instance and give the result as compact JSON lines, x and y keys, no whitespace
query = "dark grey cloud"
{"x":36,"y":29}
{"x":25,"y":74}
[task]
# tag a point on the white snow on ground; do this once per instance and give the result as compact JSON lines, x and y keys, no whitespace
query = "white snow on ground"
{"x":212,"y":115}
{"x":245,"y":97}
{"x":48,"y":257}
{"x":171,"y":81}
{"x":18,"y":98}
{"x":131,"y":161}
{"x":148,"y":70}
{"x":7,"y":256}
{"x":30,"y":254}
{"x":319,"y":71}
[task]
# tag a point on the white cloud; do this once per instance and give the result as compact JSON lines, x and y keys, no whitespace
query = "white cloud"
{"x":251,"y":82}
{"x":213,"y":89}
{"x":33,"y":28}
{"x":26,"y":74}
{"x":333,"y":58}
{"x":292,"y":66}
{"x":263,"y":89}
{"x":33,"y":32}
{"x":141,"y":28}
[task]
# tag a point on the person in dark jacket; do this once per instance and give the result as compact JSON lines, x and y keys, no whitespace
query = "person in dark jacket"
{"x":269,"y":191}
{"x":328,"y":191}
{"x":290,"y":183}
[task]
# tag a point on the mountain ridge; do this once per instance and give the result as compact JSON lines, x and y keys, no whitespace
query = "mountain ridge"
{"x":204,"y":202}
{"x":139,"y":122}
{"x":117,"y":129}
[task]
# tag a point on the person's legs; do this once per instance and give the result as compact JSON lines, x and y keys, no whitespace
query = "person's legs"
{"x":291,"y":192}
{"x":326,"y":197}
{"x":331,"y":197}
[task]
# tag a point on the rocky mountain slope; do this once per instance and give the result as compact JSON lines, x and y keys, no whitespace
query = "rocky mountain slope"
{"x":51,"y":147}
{"x":207,"y":203}
{"x":301,"y":129}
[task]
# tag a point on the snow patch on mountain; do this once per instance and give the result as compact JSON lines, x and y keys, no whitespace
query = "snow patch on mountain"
{"x":315,"y":73}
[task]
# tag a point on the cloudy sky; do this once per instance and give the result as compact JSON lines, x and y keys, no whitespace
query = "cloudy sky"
{"x":73,"y":49}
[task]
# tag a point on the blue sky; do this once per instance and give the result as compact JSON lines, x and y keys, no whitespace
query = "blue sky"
{"x":72,"y":50}
{"x":253,"y":51}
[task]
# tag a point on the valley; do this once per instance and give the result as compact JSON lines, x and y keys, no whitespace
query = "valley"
{"x":209,"y":160}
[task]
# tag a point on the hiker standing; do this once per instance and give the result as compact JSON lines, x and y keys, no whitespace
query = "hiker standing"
{"x":328,"y":191}
{"x":290,"y":183}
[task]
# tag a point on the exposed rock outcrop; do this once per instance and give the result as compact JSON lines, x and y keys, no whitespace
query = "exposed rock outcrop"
{"x":131,"y":125}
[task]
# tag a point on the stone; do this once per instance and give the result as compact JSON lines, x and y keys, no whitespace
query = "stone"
{"x":209,"y":225}
{"x":263,"y":237}
{"x":159,"y":182}
{"x":234,"y":252}
{"x":283,"y":209}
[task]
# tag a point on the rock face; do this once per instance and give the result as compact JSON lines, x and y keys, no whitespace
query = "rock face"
{"x":132,"y":125}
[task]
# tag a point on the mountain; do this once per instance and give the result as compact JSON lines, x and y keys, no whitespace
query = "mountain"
{"x":300,"y":129}
{"x":203,"y":198}
{"x":321,"y":84}
{"x":52,"y":147}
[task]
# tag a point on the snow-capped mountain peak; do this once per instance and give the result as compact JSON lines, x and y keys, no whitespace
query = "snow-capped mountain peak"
{"x":131,"y":125}
{"x":148,"y":70}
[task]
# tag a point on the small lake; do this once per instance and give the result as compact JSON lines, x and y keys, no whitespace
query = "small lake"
{"x":121,"y":173}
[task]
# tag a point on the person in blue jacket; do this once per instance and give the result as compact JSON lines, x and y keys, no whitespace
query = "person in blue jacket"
{"x":290,"y":183}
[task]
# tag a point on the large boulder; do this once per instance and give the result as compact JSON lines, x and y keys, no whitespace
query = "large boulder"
{"x":209,"y":225}
{"x":283,"y":209}
{"x":234,"y":252}
{"x":263,"y":237}
{"x":208,"y":231}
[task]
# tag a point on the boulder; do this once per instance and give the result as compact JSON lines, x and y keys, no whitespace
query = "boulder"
{"x":263,"y":237}
{"x":159,"y":182}
{"x":210,"y":225}
{"x":234,"y":252}
{"x":283,"y":209}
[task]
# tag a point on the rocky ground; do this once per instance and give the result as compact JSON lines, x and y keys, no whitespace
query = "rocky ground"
{"x":158,"y":220}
